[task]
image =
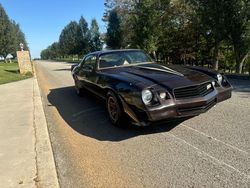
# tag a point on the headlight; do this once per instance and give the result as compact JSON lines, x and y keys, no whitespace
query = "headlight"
{"x":219,"y":78}
{"x":147,"y":96}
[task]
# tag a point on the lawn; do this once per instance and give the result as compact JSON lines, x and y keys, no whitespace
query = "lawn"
{"x":9,"y":72}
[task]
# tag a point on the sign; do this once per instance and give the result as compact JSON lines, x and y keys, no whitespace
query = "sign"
{"x":23,"y":58}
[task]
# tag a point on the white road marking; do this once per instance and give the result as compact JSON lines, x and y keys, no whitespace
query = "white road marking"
{"x":210,"y":156}
{"x":223,"y":164}
{"x":204,"y":134}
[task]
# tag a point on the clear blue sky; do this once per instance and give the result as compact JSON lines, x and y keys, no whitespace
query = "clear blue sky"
{"x":42,"y":20}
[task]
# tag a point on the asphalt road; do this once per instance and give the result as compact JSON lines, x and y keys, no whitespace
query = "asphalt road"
{"x":211,"y":150}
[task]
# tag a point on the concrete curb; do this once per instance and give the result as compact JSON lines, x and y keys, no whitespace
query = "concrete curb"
{"x":46,"y":169}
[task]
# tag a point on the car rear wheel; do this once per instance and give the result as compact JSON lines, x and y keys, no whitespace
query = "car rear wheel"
{"x":114,"y":109}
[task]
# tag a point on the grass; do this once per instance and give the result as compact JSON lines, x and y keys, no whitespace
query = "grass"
{"x":9,"y":72}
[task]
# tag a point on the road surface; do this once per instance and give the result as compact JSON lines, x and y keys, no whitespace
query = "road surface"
{"x":211,"y":150}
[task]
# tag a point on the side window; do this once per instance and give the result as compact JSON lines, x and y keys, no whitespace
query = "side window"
{"x":89,"y":61}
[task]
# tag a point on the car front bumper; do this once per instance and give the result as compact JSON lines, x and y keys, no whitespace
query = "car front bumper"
{"x":182,"y":108}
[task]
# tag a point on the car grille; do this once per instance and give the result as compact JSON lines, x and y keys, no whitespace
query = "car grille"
{"x":193,"y":91}
{"x":197,"y":109}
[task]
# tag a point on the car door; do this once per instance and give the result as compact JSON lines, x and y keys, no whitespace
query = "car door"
{"x":87,"y":74}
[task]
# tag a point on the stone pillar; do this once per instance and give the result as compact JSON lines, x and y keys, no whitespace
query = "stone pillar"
{"x":23,"y":58}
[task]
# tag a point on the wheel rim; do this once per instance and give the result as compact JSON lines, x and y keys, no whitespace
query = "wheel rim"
{"x":113,"y":109}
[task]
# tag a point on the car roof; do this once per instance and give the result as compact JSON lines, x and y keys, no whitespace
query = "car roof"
{"x":112,"y":51}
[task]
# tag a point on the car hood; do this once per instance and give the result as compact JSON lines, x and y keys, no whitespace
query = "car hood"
{"x":169,"y":76}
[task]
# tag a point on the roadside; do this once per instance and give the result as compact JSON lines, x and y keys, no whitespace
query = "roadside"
{"x":26,"y":157}
{"x":9,"y":72}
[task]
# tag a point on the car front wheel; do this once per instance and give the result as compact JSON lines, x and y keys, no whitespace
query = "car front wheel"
{"x":79,"y":90}
{"x":114,"y":109}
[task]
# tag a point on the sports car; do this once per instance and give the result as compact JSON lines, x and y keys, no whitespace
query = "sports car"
{"x":135,"y":86}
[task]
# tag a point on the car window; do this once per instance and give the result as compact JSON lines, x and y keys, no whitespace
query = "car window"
{"x":111,"y":60}
{"x":89,"y":61}
{"x":124,"y":58}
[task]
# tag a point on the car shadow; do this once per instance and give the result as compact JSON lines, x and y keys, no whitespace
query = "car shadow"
{"x":87,"y":115}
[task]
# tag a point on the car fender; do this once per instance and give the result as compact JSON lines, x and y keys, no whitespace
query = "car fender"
{"x":123,"y":91}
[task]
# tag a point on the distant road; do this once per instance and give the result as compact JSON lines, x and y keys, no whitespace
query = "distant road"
{"x":211,"y":150}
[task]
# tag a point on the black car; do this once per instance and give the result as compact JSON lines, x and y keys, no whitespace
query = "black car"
{"x":135,"y":86}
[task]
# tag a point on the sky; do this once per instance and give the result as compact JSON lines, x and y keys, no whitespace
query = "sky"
{"x":42,"y":20}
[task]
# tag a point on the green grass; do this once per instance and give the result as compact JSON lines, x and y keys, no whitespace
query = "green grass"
{"x":9,"y":72}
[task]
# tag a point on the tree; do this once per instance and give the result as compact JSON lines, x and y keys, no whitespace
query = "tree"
{"x":19,"y":37}
{"x":74,"y":40}
{"x":7,"y":38}
{"x":54,"y":50}
{"x":44,"y":54}
{"x":51,"y":52}
{"x":143,"y":36}
{"x":69,"y":39}
{"x":95,"y":41}
{"x":178,"y":36}
{"x":114,"y":32}
{"x":237,"y":19}
{"x":124,"y":9}
{"x":11,"y":35}
{"x":84,"y":37}
{"x":212,"y":24}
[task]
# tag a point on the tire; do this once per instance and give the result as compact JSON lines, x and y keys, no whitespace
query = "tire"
{"x":79,"y":90}
{"x":115,"y":110}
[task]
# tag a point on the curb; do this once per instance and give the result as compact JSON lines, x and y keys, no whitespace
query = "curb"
{"x":46,"y":168}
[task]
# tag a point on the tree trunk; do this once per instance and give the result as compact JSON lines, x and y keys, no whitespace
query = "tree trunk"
{"x":244,"y":59}
{"x":215,"y":57}
{"x":155,"y":57}
{"x":165,"y":59}
{"x":239,"y":63}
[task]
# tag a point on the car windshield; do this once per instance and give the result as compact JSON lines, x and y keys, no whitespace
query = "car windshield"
{"x":123,"y":58}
